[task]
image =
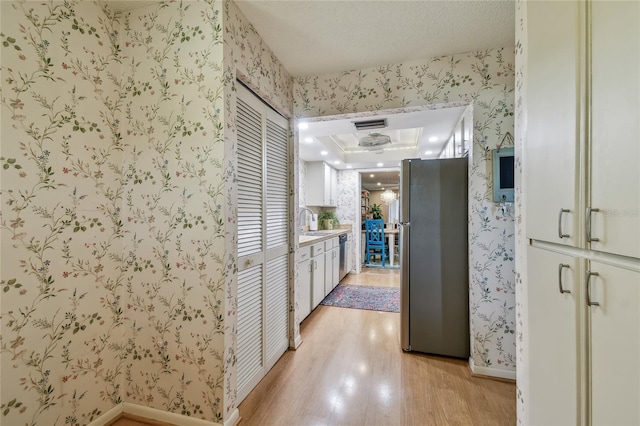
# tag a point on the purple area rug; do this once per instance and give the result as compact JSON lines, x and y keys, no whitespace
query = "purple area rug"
{"x":385,"y":299}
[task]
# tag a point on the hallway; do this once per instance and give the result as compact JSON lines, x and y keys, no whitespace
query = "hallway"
{"x":350,"y":370}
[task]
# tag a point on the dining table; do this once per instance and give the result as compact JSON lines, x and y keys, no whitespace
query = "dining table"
{"x":390,"y":233}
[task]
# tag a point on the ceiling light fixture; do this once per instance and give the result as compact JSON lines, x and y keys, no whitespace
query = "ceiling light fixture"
{"x":308,"y":140}
{"x":433,"y":139}
{"x":379,"y":184}
{"x":303,"y":126}
{"x":323,"y":152}
{"x":336,"y":162}
{"x":428,"y":152}
{"x":371,"y":175}
{"x":380,"y":164}
{"x":349,"y":166}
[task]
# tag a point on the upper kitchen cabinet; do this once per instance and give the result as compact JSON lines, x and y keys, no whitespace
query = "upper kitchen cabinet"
{"x":581,"y":152}
{"x":615,"y":128}
{"x":551,"y":149}
{"x":322,"y":184}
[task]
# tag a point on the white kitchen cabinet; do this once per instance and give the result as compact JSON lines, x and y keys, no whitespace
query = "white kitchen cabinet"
{"x":581,"y":154}
{"x":317,"y":274}
{"x":615,"y":126}
{"x":551,"y":148}
{"x":553,"y":292}
{"x":331,"y":264}
{"x":303,"y":288}
{"x":614,"y":295}
{"x":321,"y":184}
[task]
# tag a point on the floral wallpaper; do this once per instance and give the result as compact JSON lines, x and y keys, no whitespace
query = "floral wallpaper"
{"x":522,"y":343}
{"x":174,"y":214}
{"x":118,"y":213}
{"x":64,"y":272}
{"x":348,"y":208}
{"x":484,"y":79}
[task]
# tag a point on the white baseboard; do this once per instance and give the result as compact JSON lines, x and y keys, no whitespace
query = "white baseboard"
{"x":164,"y":416}
{"x":107,"y":417}
{"x":491,"y":372}
{"x":233,"y":419}
{"x":294,"y":344}
{"x":159,"y":415}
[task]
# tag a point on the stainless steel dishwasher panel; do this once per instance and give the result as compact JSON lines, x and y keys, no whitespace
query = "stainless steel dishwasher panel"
{"x":343,"y":255}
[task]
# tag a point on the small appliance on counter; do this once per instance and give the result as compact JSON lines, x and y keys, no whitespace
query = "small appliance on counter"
{"x":313,"y":223}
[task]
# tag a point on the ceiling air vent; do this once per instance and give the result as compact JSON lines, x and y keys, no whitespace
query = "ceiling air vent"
{"x":371,"y":124}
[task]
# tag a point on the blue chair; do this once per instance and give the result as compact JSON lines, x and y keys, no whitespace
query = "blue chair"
{"x":376,"y":244}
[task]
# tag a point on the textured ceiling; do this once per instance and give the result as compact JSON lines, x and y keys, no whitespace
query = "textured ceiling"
{"x":315,"y":37}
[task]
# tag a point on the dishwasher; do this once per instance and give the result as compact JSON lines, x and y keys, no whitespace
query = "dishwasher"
{"x":343,"y":255}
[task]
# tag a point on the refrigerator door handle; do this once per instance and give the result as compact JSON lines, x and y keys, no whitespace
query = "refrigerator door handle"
{"x":404,"y":287}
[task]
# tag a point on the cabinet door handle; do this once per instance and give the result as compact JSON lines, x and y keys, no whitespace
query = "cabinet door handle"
{"x":588,"y":288}
{"x":315,"y":265}
{"x":560,"y":234}
{"x":588,"y":225}
{"x":560,"y":267}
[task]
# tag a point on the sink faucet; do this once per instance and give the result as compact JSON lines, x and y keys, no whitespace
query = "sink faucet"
{"x":302,"y":210}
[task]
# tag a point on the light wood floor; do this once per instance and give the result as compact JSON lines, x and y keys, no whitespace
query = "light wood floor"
{"x":350,"y":370}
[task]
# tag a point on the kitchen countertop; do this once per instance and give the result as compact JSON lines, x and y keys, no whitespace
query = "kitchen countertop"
{"x":307,"y":240}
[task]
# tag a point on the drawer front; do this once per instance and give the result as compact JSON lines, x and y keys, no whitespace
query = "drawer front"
{"x":305,"y":253}
{"x":317,"y":249}
{"x":331,"y":243}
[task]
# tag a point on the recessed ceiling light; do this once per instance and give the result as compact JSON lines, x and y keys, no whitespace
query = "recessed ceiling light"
{"x":371,"y":175}
{"x":308,"y":140}
{"x":349,"y":166}
{"x":323,"y":152}
{"x":428,"y":152}
{"x":433,"y":139}
{"x":379,"y":184}
{"x":303,"y":126}
{"x":336,"y":162}
{"x":380,"y":164}
{"x":382,"y":188}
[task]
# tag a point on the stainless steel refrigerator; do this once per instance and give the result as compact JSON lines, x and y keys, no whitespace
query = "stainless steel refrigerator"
{"x":434,"y":308}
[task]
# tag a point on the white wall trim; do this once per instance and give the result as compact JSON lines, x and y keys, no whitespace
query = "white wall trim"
{"x":163,"y":416}
{"x":233,"y":419}
{"x":295,"y":344}
{"x":107,"y":417}
{"x":491,"y":372}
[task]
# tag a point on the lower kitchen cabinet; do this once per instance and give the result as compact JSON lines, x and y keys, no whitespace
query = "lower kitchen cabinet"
{"x":614,"y":297}
{"x":303,"y":290}
{"x":553,"y":293}
{"x":331,"y":265}
{"x":584,"y":341}
{"x":317,"y":274}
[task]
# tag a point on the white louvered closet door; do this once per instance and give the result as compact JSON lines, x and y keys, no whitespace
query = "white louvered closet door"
{"x":263,"y":217}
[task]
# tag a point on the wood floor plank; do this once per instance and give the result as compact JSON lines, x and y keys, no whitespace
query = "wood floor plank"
{"x":350,"y":370}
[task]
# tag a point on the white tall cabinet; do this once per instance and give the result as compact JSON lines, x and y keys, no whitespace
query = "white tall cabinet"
{"x":581,"y":173}
{"x":321,"y":184}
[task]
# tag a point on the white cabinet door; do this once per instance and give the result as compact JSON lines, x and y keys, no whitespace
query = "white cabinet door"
{"x":326,"y":189}
{"x":553,"y":338}
{"x":328,"y":271}
{"x":319,"y":180}
{"x":335,"y":279}
{"x":615,"y":345}
{"x":333,"y":194}
{"x":317,"y":280}
{"x":615,"y":126}
{"x":303,"y":292}
{"x":551,"y":148}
